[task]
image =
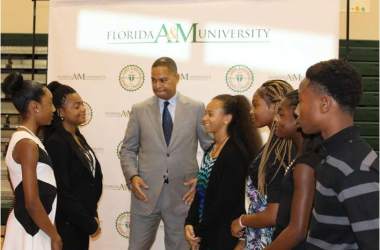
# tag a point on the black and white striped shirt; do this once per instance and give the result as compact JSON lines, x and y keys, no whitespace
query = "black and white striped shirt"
{"x":346,"y":208}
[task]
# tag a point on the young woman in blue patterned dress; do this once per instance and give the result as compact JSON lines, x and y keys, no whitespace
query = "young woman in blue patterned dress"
{"x":265,"y":172}
{"x":221,"y":180}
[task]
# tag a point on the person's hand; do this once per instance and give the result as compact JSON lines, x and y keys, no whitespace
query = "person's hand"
{"x":189,"y":196}
{"x":137,"y":184}
{"x":98,"y":230}
{"x":236,"y":229}
{"x":191,"y":238}
{"x":56,"y":243}
{"x":240,"y":245}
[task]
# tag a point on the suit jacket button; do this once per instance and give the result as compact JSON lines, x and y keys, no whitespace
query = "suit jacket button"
{"x":168,"y":155}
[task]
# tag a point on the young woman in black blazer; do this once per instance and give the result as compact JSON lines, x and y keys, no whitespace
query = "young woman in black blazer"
{"x":221,"y":180}
{"x":76,"y":168}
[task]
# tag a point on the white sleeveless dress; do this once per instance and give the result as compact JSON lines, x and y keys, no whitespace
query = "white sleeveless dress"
{"x":21,"y":232}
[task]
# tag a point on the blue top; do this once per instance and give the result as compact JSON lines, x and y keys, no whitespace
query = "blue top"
{"x":203,"y":177}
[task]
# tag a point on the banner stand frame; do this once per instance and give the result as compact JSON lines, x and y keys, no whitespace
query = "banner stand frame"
{"x":34,"y":34}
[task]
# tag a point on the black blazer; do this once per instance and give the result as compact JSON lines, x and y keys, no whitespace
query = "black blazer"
{"x":78,"y":191}
{"x":224,"y":200}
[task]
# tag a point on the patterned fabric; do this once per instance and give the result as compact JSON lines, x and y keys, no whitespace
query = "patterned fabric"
{"x":346,"y":202}
{"x":257,"y":238}
{"x":203,"y":177}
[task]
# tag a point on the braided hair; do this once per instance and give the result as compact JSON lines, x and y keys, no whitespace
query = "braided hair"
{"x":273,"y":91}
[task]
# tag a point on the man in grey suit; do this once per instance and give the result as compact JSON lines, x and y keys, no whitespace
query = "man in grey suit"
{"x":158,"y":158}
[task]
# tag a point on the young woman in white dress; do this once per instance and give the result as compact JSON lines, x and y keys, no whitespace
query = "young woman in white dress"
{"x":30,"y":225}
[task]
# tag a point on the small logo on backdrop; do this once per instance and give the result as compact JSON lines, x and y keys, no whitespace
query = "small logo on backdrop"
{"x":118,"y":149}
{"x":191,"y":77}
{"x":120,"y":187}
{"x":122,"y":224}
{"x":290,"y":77}
{"x":81,"y":76}
{"x":131,"y":77}
{"x":239,"y":78}
{"x":115,"y":114}
{"x":88,"y":114}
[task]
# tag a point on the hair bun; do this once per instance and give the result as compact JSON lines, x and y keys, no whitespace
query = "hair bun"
{"x":12,"y":83}
{"x":54,"y":85}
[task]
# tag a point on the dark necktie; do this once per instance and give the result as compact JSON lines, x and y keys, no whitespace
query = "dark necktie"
{"x":167,"y":123}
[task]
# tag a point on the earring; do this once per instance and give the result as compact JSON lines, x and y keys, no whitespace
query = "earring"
{"x":60,"y":116}
{"x":37,"y":111}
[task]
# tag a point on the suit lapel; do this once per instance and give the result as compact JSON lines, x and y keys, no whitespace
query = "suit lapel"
{"x":76,"y":149}
{"x":155,"y":117}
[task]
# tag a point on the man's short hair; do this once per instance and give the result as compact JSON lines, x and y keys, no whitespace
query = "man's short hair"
{"x":338,"y":79}
{"x":166,"y":62}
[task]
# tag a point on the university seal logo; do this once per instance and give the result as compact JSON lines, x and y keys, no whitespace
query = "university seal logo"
{"x":131,"y":77}
{"x":239,"y":78}
{"x":88,"y":114}
{"x":122,"y":224}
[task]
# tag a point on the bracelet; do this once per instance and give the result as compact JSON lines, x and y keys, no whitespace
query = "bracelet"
{"x":241,"y":224}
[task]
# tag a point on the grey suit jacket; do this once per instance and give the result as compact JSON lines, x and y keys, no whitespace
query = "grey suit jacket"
{"x":145,"y":153}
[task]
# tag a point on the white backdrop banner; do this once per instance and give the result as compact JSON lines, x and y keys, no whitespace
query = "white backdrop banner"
{"x":105,"y":49}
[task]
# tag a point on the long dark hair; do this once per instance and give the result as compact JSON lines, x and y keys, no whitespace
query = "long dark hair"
{"x":241,"y":129}
{"x":60,"y":92}
{"x":21,"y":91}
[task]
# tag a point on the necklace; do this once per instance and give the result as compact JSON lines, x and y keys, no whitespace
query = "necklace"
{"x":85,"y":149}
{"x":216,"y":149}
{"x":87,"y":153}
{"x":27,"y":130}
{"x":289,"y":166}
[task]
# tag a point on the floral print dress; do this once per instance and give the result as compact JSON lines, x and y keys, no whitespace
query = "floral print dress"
{"x":257,"y":238}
